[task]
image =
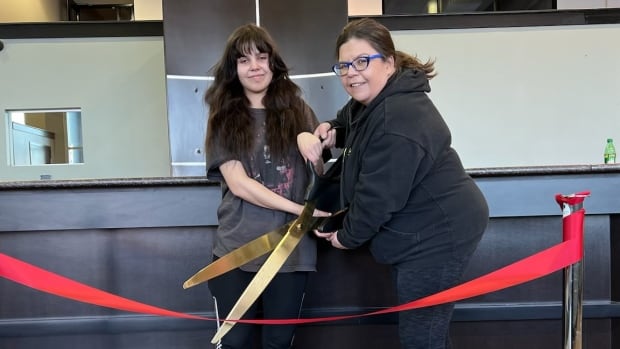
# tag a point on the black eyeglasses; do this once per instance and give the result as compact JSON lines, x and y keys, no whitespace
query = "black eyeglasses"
{"x":360,"y":63}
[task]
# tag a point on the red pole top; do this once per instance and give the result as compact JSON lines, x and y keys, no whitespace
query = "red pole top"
{"x":572,"y":199}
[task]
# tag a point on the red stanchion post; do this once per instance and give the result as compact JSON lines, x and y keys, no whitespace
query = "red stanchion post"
{"x":572,"y":228}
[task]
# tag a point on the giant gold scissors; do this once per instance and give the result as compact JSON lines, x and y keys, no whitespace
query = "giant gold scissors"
{"x":322,"y":193}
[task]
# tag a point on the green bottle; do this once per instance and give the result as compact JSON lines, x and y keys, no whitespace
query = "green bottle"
{"x":610,"y":152}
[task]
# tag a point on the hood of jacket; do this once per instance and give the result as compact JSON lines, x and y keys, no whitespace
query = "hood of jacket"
{"x":403,"y":81}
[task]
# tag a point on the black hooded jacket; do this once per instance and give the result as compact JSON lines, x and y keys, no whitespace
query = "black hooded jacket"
{"x":401,"y":179}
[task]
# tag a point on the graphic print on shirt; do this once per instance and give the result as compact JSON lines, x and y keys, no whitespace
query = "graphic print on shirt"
{"x":275,"y":174}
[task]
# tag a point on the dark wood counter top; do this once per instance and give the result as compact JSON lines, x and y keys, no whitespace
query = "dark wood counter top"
{"x":107,"y":183}
{"x":543,"y":170}
{"x":202,"y":181}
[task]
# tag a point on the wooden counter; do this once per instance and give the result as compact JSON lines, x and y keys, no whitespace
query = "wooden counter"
{"x":141,"y":238}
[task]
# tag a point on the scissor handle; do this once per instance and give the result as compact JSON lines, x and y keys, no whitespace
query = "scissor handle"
{"x":324,"y":190}
{"x":312,"y":191}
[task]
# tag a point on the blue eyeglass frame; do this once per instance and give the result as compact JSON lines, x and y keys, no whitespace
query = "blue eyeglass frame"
{"x":336,"y":67}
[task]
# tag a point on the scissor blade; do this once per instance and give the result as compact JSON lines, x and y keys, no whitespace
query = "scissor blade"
{"x":239,"y":256}
{"x":266,"y":273}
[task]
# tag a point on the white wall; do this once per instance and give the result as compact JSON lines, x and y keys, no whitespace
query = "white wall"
{"x":581,"y":4}
{"x":147,"y":10}
{"x":525,"y":96}
{"x":365,"y":7}
{"x":119,"y":83}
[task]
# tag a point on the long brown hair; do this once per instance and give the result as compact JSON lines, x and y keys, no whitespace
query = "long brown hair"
{"x":230,"y":124}
{"x":378,"y":36}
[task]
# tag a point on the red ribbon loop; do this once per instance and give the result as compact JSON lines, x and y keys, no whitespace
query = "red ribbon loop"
{"x":543,"y":263}
{"x":527,"y":269}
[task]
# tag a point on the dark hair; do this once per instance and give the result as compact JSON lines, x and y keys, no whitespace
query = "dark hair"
{"x":230,"y":124}
{"x":378,"y":36}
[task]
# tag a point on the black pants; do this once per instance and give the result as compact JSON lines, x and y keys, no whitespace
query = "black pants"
{"x":281,"y":299}
{"x":428,"y":328}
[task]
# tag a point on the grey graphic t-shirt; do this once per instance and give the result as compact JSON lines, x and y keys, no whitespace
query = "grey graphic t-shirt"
{"x":241,"y":221}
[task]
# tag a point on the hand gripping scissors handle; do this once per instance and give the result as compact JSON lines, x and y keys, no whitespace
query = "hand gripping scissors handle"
{"x":323,"y":190}
{"x":276,"y":259}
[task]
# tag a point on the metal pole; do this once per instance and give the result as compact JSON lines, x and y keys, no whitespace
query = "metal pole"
{"x":573,"y":305}
{"x":572,"y":315}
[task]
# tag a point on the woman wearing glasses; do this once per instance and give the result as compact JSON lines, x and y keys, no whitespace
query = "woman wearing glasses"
{"x":407,"y":193}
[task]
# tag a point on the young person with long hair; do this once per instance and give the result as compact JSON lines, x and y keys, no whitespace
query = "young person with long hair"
{"x":255,"y":115}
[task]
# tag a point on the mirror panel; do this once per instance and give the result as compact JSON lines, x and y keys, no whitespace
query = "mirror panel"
{"x":44,"y":137}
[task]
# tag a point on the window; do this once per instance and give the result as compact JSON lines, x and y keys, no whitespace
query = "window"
{"x":42,"y":137}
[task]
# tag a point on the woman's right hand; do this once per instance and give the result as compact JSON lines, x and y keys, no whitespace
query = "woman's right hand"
{"x":311,"y":145}
{"x":319,"y":213}
{"x":326,"y":134}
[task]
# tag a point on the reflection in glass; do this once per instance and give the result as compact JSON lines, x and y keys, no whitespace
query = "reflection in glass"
{"x":74,"y":137}
{"x":40,"y":137}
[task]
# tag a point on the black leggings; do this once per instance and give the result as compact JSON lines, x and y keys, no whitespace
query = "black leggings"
{"x":436,"y":271}
{"x":281,"y":299}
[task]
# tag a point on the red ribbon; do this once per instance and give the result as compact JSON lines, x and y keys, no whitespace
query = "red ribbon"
{"x":562,"y":255}
{"x":45,"y":281}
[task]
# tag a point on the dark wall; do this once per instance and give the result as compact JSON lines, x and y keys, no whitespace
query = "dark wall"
{"x":195,"y":32}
